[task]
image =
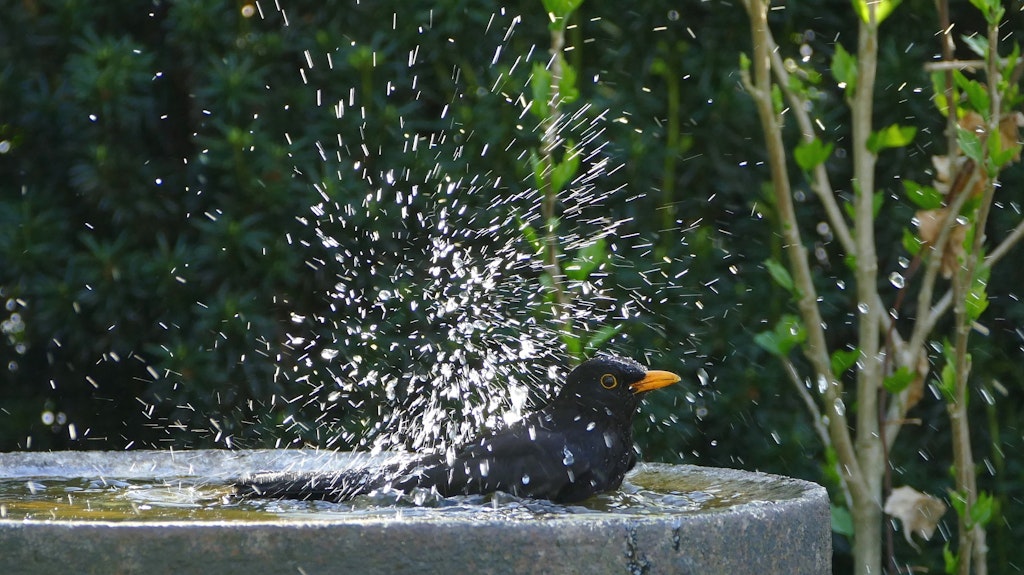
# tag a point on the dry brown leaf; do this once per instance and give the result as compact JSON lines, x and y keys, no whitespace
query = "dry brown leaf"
{"x":916,"y":389}
{"x":929,"y":226}
{"x":1009,"y":132}
{"x":919,"y":512}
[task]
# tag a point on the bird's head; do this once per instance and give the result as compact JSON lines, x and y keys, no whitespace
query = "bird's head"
{"x":613,"y":382}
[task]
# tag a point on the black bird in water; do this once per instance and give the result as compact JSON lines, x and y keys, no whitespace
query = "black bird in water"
{"x":578,"y":445}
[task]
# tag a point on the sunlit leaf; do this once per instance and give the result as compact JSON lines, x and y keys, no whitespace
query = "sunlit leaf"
{"x":924,"y":197}
{"x":939,"y":91}
{"x":893,"y":136}
{"x":563,"y":172}
{"x":561,"y":8}
{"x":540,"y":85}
{"x":844,"y":69}
{"x":883,"y":8}
{"x":843,"y":360}
{"x":992,"y":9}
{"x":567,"y":88}
{"x":809,"y":155}
{"x":998,"y":155}
{"x":982,"y":510}
{"x":950,"y":560}
{"x":976,"y":300}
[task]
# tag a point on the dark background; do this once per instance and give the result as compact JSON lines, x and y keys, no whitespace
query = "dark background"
{"x":157,"y":168}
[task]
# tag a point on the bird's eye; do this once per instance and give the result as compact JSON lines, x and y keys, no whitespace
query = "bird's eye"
{"x":608,"y":381}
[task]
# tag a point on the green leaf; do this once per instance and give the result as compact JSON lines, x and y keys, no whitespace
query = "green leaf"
{"x":992,"y":9}
{"x":998,"y":156}
{"x":567,"y":89}
{"x":538,"y":170}
{"x":924,"y":197}
{"x":601,"y":336}
{"x":780,"y":274}
{"x":977,"y":95}
{"x":939,"y":90}
{"x":976,"y":301}
{"x":977,"y":44}
{"x":947,"y":382}
{"x":982,"y":510}
{"x":843,"y":360}
{"x":744,"y":62}
{"x":883,"y":8}
{"x":530,"y":235}
{"x":898,"y":380}
{"x":842,"y":521}
{"x":844,"y":69}
{"x":911,"y":242}
{"x":588,"y":259}
{"x":809,"y":155}
{"x":788,"y":333}
{"x":949,"y":559}
{"x":563,"y":172}
{"x":969,"y":143}
{"x":778,"y":102}
{"x":561,"y":8}
{"x":540,"y":85}
{"x":893,"y":136}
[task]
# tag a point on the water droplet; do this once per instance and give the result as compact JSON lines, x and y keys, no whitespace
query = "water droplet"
{"x":840,"y":284}
{"x":863,"y":307}
{"x":822,"y":384}
{"x":840,"y":407}
{"x":567,"y":457}
{"x":896,"y":279}
{"x":526,"y":479}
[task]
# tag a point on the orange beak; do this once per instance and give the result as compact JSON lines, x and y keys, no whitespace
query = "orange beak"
{"x":653,"y":380}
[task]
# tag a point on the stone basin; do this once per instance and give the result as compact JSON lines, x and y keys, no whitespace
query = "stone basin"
{"x":170,"y":512}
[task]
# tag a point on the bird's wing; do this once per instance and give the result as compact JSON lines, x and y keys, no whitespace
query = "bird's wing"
{"x":533,"y":461}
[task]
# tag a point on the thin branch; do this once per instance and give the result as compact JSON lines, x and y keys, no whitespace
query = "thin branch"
{"x":822,"y":185}
{"x":816,"y":348}
{"x":816,"y":418}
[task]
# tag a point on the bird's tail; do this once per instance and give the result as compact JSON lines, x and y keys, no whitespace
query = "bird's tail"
{"x":310,"y":485}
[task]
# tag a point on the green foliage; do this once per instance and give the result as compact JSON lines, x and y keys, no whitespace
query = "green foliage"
{"x":788,"y":333}
{"x":924,"y":197}
{"x":881,"y":8}
{"x":843,"y":359}
{"x":844,"y":69}
{"x":811,"y":154}
{"x":899,"y":380}
{"x":781,"y":275}
{"x":893,"y":136}
{"x":842,"y":521}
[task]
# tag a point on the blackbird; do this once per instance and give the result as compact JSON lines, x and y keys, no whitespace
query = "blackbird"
{"x":578,"y":445}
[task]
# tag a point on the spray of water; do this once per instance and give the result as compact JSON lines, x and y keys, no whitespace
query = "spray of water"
{"x":444,"y":327}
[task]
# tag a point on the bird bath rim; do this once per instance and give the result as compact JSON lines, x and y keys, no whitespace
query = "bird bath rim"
{"x":788,"y":535}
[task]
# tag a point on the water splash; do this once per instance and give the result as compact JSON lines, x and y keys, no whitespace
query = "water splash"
{"x":430,"y":331}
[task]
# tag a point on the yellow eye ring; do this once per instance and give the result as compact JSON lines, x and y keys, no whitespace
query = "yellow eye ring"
{"x":608,"y":381}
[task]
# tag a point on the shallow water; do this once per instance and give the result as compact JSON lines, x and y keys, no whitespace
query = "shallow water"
{"x":651,"y":490}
